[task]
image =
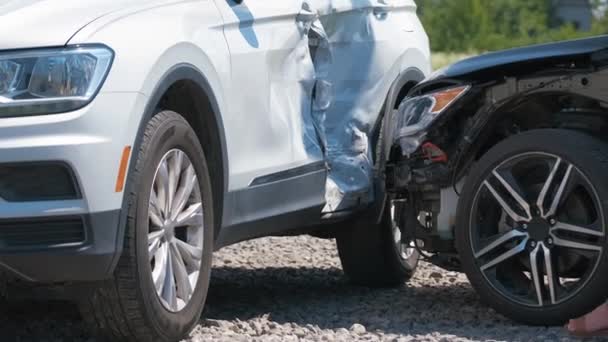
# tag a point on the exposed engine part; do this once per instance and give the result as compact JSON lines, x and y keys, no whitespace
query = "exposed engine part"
{"x":446,"y":219}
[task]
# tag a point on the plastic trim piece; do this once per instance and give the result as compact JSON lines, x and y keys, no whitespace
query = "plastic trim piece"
{"x":291,"y":173}
{"x":90,"y":261}
{"x":57,"y":163}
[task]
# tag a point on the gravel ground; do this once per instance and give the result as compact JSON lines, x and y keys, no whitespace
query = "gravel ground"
{"x":292,"y":289}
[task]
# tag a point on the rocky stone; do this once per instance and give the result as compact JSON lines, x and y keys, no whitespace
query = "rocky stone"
{"x":358,"y":329}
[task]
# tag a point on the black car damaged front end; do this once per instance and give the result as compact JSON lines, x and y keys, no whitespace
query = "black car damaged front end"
{"x":487,"y":99}
{"x":443,"y":147}
{"x":415,"y":133}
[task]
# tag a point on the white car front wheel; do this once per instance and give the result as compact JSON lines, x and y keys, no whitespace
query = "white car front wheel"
{"x":160,"y":284}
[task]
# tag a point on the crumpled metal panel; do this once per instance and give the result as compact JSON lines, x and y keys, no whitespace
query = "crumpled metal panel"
{"x":328,"y":80}
{"x":346,"y":147}
{"x":294,"y":97}
{"x":345,"y":73}
{"x":356,"y":59}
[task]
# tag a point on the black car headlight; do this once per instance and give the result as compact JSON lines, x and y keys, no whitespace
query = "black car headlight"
{"x":416,"y":114}
{"x":47,"y":81}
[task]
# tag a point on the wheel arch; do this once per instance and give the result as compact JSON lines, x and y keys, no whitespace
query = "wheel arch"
{"x":186,"y":91}
{"x":563,"y":110}
{"x":400,"y":88}
{"x":185,"y":81}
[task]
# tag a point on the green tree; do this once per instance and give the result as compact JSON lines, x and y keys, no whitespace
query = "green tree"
{"x":483,"y":25}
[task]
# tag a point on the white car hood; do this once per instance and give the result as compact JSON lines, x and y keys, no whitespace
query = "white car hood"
{"x":43,"y":23}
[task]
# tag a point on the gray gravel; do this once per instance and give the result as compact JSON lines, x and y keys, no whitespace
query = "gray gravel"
{"x":292,"y":289}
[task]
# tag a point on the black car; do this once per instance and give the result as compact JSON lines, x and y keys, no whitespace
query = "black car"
{"x":498,"y":166}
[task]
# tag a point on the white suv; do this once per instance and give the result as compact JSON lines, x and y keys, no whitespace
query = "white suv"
{"x":138,"y":136}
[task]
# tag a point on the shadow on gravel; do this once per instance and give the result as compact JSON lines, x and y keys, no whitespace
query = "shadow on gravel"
{"x":322,"y":297}
{"x":41,"y":321}
{"x":303,"y":296}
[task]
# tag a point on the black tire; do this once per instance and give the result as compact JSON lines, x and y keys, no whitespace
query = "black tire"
{"x":590,"y":156}
{"x":370,"y":256}
{"x":367,"y":249}
{"x":126,"y":307}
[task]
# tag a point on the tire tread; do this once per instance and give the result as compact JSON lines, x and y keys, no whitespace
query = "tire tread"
{"x":115,"y":310}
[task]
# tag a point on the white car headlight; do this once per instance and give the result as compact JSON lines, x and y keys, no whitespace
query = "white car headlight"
{"x":48,"y":81}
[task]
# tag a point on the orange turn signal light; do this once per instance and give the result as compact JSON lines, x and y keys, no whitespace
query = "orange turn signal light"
{"x":122,"y":169}
{"x":443,"y":99}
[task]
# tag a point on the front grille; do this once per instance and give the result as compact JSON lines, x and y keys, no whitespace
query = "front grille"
{"x":41,"y":232}
{"x":29,"y":182}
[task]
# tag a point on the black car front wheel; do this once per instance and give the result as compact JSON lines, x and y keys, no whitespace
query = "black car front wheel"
{"x":532,"y":226}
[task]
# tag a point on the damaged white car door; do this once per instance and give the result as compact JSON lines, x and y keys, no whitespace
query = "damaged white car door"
{"x":372,"y":42}
{"x":309,"y":80}
{"x":272,"y":79}
{"x":277,"y":164}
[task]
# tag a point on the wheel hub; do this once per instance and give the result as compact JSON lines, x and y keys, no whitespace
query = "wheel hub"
{"x":169,"y":230}
{"x":539,"y":229}
{"x":405,"y":249}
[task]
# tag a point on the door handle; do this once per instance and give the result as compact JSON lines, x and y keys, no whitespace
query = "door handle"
{"x":381,"y":7}
{"x":306,"y":16}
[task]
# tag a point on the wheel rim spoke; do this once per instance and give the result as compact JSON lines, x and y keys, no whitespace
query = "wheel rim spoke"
{"x":175,"y":170}
{"x":535,"y":274}
{"x":397,"y":235}
{"x":506,"y":255}
{"x":515,"y":194}
{"x":154,"y":242}
{"x":162,"y":186}
{"x":550,"y":275}
{"x":191,"y":216}
{"x":405,"y":249}
{"x":155,"y":236}
{"x":160,"y":270}
{"x":169,"y":293}
{"x":175,"y":231}
{"x":156,"y":220}
{"x":510,"y":235}
{"x":154,"y":209}
{"x":560,"y":192}
{"x":540,"y":202}
{"x":184,"y":288}
{"x":538,"y":277}
{"x":562,"y":242}
{"x":505,"y":206}
{"x":189,"y":180}
{"x":562,"y":226}
{"x":189,"y":252}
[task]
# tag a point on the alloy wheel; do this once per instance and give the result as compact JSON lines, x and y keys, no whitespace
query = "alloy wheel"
{"x":175,"y":230}
{"x":405,"y":249}
{"x":537,"y":229}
